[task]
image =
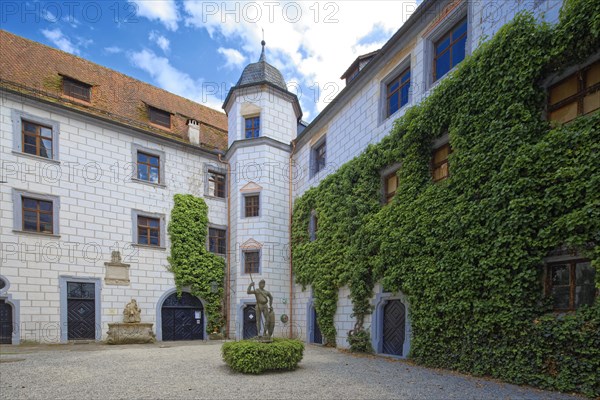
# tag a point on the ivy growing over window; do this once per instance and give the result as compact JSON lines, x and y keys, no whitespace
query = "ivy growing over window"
{"x":190,"y":261}
{"x":468,"y":251}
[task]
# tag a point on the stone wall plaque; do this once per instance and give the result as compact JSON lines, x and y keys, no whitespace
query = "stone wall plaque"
{"x":117,"y":273}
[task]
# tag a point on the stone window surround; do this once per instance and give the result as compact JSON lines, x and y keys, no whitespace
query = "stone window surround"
{"x":62,"y":284}
{"x":135,"y":149}
{"x":243,"y":205}
{"x":313,"y":156}
{"x":17,"y":117}
{"x":134,"y":222}
{"x":212,"y":168}
{"x":401,"y":67}
{"x":223,"y":228}
{"x":18,"y":195}
{"x":243,"y":250}
{"x":443,"y":27}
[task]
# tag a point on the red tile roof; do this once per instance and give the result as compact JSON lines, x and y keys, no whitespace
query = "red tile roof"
{"x":35,"y":69}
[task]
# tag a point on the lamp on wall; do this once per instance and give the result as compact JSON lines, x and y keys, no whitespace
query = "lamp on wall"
{"x":214,"y":287}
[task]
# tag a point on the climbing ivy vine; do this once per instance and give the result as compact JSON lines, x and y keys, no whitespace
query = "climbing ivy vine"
{"x":191,"y":263}
{"x":468,"y":251}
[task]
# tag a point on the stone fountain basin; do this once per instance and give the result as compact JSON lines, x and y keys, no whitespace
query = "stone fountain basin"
{"x":130,"y":333}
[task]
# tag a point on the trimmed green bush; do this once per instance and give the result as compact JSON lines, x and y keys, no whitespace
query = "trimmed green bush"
{"x":253,"y":357}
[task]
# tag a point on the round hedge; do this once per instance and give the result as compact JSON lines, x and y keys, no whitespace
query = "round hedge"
{"x":253,"y":357}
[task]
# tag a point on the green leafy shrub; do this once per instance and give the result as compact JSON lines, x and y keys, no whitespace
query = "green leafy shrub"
{"x":360,"y":341}
{"x":253,"y":357}
{"x":191,"y":263}
{"x":468,"y":251}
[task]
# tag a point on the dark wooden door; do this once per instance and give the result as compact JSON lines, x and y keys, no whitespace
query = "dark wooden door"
{"x":182,"y":318}
{"x":317,"y":337}
{"x":6,"y":322}
{"x":250,"y":329}
{"x":394,"y":320}
{"x":81,"y":310}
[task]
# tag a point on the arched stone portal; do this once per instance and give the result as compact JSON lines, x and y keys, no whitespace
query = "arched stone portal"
{"x":180,"y":318}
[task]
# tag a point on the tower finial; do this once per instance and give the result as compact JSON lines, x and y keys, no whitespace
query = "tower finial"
{"x":263,"y":43}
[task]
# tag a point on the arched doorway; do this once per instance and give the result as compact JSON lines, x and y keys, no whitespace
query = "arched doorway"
{"x":182,"y":318}
{"x":6,"y":322}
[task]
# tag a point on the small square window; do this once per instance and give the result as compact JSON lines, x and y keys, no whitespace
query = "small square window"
{"x":440,"y":166}
{"x":148,"y":167}
{"x":571,"y":284}
{"x":450,"y":50}
{"x":576,"y":95}
{"x":148,"y":231}
{"x":216,"y":184}
{"x":159,"y":117}
{"x":217,"y":241}
{"x":252,"y":127}
{"x":76,"y":89}
{"x":251,"y":261}
{"x":37,"y":139}
{"x":251,"y":206}
{"x":397,"y":92}
{"x":38,"y":215}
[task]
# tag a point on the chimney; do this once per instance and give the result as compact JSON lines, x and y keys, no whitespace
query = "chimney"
{"x":193,"y":131}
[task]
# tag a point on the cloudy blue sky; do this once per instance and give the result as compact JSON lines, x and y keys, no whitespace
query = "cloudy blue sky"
{"x":198,"y":49}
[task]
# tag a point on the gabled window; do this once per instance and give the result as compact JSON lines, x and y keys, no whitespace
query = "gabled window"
{"x":319,"y":157}
{"x":450,"y":50}
{"x":440,"y":166}
{"x":159,"y":117}
{"x":76,"y":89}
{"x":217,"y":241}
{"x":37,"y":139}
{"x":251,"y":205}
{"x":391,"y":185}
{"x":148,"y":231}
{"x":252,"y":127}
{"x":576,"y":95}
{"x":216,"y":184}
{"x":148,"y":167}
{"x":571,"y":284}
{"x":251,"y":261}
{"x":397,"y":92}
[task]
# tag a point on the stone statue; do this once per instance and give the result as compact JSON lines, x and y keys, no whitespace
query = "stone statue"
{"x":131,"y":313}
{"x":263,"y":312}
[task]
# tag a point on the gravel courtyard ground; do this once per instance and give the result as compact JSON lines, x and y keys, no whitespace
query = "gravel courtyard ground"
{"x":187,"y":370}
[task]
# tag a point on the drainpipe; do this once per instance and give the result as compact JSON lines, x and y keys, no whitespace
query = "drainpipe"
{"x":290,"y":236}
{"x":228,"y":278}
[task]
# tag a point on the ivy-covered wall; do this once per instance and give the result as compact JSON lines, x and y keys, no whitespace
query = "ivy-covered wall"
{"x":468,"y":251}
{"x":190,"y":261}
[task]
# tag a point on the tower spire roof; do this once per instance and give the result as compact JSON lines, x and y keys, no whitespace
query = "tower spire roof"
{"x":262,"y":54}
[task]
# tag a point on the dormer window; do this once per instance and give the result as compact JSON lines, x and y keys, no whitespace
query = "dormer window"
{"x":252,"y":127}
{"x":159,"y":117}
{"x":76,"y":89}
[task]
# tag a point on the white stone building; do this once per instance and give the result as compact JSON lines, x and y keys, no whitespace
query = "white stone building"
{"x":248,"y":165}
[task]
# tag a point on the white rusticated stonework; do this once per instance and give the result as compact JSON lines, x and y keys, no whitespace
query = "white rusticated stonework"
{"x":94,"y":181}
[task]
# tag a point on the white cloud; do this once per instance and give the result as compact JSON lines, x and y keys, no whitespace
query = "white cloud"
{"x":234,"y":59}
{"x":113,"y":50}
{"x":60,"y":40}
{"x":173,"y":80}
{"x":160,"y":41}
{"x":164,"y":11}
{"x":312,"y":41}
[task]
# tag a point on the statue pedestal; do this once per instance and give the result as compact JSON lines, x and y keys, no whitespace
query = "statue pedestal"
{"x":124,"y":333}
